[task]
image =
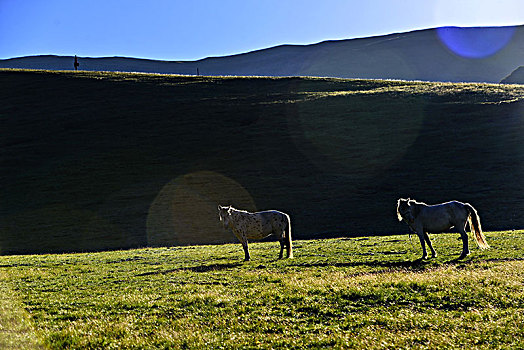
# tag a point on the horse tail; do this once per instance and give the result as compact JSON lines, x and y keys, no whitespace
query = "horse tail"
{"x":287,"y":237}
{"x":474,"y":224}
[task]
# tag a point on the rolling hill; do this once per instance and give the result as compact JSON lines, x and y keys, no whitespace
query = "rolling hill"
{"x":418,"y":55}
{"x":95,"y":160}
{"x":516,"y":77}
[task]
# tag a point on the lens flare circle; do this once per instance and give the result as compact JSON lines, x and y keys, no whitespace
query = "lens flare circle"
{"x":359,"y":136}
{"x":185,"y":211}
{"x":475,"y":43}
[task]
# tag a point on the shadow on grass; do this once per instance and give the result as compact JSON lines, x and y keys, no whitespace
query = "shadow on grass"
{"x":386,"y":264}
{"x":414,"y":265}
{"x":203,"y":268}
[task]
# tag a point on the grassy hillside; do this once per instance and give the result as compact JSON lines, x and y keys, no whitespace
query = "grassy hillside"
{"x":110,"y":160}
{"x":358,"y":293}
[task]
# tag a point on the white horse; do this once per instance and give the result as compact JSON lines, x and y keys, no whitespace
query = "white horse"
{"x":246,"y":225}
{"x":423,"y":218}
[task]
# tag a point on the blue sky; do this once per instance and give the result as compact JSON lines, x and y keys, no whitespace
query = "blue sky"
{"x":194,"y":29}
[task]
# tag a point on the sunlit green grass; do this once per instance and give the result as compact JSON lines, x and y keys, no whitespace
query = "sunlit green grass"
{"x":341,"y":293}
{"x":310,"y":87}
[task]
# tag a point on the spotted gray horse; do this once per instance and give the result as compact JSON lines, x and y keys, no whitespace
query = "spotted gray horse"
{"x":259,"y":225}
{"x":423,"y":218}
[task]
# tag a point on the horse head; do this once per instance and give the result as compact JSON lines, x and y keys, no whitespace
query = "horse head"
{"x":224,"y":214}
{"x":404,"y":210}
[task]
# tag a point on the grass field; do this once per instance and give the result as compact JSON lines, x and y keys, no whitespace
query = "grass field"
{"x":358,"y":293}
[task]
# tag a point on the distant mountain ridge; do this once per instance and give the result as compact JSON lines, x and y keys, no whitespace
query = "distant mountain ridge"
{"x":516,"y":77}
{"x":416,"y":55}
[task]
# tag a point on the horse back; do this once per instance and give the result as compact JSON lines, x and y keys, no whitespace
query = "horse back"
{"x":452,"y":207}
{"x":261,"y":224}
{"x":276,"y":218}
{"x":457,"y":210}
{"x":443,"y":216}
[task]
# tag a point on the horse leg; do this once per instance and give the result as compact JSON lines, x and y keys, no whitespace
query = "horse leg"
{"x":422,"y":243}
{"x":287,"y":239}
{"x":433,"y":252}
{"x":419,"y":230}
{"x":282,"y":246}
{"x":246,"y":249}
{"x":465,"y":243}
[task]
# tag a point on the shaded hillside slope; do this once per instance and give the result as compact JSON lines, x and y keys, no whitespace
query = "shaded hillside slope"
{"x":516,"y":77}
{"x":110,"y":160}
{"x":417,"y":55}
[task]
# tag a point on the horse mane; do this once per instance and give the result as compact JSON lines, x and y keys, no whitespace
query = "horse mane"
{"x":415,"y":205}
{"x":238,"y":210}
{"x":410,"y":201}
{"x":413,"y":201}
